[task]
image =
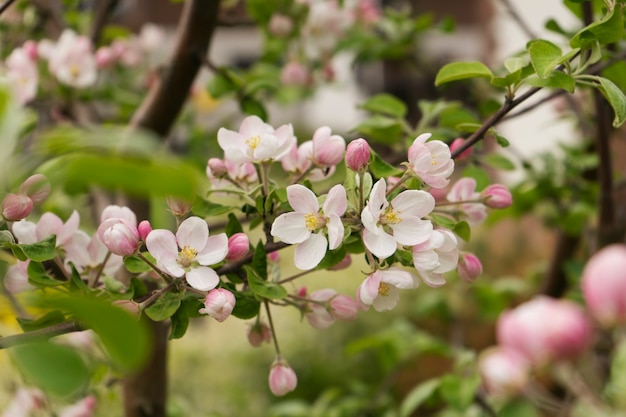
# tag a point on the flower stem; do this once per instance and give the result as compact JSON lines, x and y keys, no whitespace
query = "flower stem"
{"x":156,"y":269}
{"x":271,"y":323}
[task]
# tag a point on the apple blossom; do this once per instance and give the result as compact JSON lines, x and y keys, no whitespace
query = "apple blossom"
{"x":119,"y":236}
{"x":469,"y":267}
{"x":280,"y":25}
{"x":399,"y":222}
{"x":282,"y":378}
{"x":295,"y":73}
{"x":83,"y":408}
{"x":544,"y":330}
{"x":358,"y":155}
{"x":464,"y":192}
{"x":258,"y":334}
{"x":225,"y":173}
{"x":37,"y":187}
{"x":72,"y":60}
{"x":16,"y":207}
{"x":256,"y":141}
{"x":503,"y":371}
{"x":118,"y":212}
{"x":88,"y":253}
{"x":306,"y":225}
{"x":22,"y":75}
{"x":604,"y":285}
{"x":197,"y":251}
{"x":435,"y":256}
{"x":380,"y":289}
{"x":328,"y":149}
{"x":216,"y":168}
{"x":218,"y":303}
{"x":497,"y":196}
{"x":456,"y":144}
{"x":238,"y":247}
{"x":335,"y":307}
{"x":431,"y":161}
{"x":48,"y":224}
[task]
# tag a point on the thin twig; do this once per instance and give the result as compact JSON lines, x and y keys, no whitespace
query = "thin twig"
{"x":6,"y":5}
{"x":40,"y":334}
{"x":518,"y":19}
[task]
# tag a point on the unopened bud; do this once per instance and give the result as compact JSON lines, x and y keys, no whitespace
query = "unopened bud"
{"x":16,"y":207}
{"x":238,"y":246}
{"x":178,"y":207}
{"x":216,"y":168}
{"x":469,"y":267}
{"x":280,"y":25}
{"x":258,"y":334}
{"x":497,"y":196}
{"x":358,"y":155}
{"x":218,"y":303}
{"x":456,"y":144}
{"x":282,"y":378}
{"x":37,"y":187}
{"x":144,"y":229}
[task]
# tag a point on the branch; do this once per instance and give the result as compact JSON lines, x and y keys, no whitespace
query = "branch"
{"x":40,"y":334}
{"x":236,"y":266}
{"x":518,"y":19}
{"x":6,"y":5}
{"x":165,"y":100}
{"x":101,"y":11}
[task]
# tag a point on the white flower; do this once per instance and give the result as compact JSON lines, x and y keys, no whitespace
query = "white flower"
{"x":431,"y":161}
{"x":255,"y":141}
{"x":305,"y":225}
{"x":380,"y":289}
{"x":465,"y":190}
{"x":399,"y":222}
{"x":197,"y":251}
{"x":72,"y":60}
{"x":439,"y":254}
{"x":22,"y":75}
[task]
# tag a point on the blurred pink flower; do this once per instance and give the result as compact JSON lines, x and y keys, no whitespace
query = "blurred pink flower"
{"x":503,"y":371}
{"x":282,"y":378}
{"x":604,"y":285}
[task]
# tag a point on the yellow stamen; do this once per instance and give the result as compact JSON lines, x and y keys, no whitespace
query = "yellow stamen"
{"x":434,"y":162}
{"x":74,"y":71}
{"x":383,"y":289}
{"x":391,"y":217}
{"x":312,"y":221}
{"x":187,"y":255}
{"x":253,"y":142}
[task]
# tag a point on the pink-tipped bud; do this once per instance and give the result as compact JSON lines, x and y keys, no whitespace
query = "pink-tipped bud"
{"x":258,"y":334}
{"x":105,"y":57}
{"x":273,"y":257}
{"x":144,"y":229}
{"x":358,"y":155}
{"x":218,"y":303}
{"x":343,"y":307}
{"x":119,"y":236}
{"x":282,"y":378}
{"x":216,"y":168}
{"x":31,"y":49}
{"x":604,"y":285}
{"x":16,"y":207}
{"x":295,"y":73}
{"x":178,"y":207}
{"x":343,"y":264}
{"x":83,"y":408}
{"x":280,"y":25}
{"x":456,"y":144}
{"x":504,"y":372}
{"x":469,"y":267}
{"x":37,"y":187}
{"x":238,"y":246}
{"x":302,"y":292}
{"x":497,"y":196}
{"x":328,"y":149}
{"x":544,"y":330}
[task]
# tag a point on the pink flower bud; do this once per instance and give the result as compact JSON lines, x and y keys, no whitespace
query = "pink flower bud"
{"x":456,"y":144}
{"x":358,"y":155}
{"x":37,"y":187}
{"x":604,"y":285}
{"x":504,"y":372}
{"x":343,"y":307}
{"x":273,"y":257}
{"x":238,"y":247}
{"x":144,"y":229}
{"x":258,"y":334}
{"x":119,"y":236}
{"x":83,"y":408}
{"x":282,"y":378}
{"x":280,"y":25}
{"x":343,"y":264}
{"x":16,"y":207}
{"x":218,"y":303}
{"x":497,"y":196}
{"x":105,"y":57}
{"x":469,"y":267}
{"x":216,"y":168}
{"x":328,"y":149}
{"x":178,"y":207}
{"x":295,"y":73}
{"x":31,"y":49}
{"x":544,"y":330}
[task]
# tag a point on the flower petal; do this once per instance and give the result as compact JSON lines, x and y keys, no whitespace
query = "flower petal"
{"x":310,"y":253}
{"x":301,"y":199}
{"x":161,"y":244}
{"x":368,"y":290}
{"x":215,"y":250}
{"x":335,"y":231}
{"x":388,"y":301}
{"x":203,"y":278}
{"x":25,"y":231}
{"x":414,"y":203}
{"x":193,"y":233}
{"x":399,"y":278}
{"x":432,"y":279}
{"x":336,"y":201}
{"x":383,"y":245}
{"x":412,"y":231}
{"x":290,"y":228}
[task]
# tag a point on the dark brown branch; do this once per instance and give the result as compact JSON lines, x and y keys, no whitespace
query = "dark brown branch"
{"x":555,"y":281}
{"x":6,"y":5}
{"x":40,"y":334}
{"x":101,"y":12}
{"x":165,"y":100}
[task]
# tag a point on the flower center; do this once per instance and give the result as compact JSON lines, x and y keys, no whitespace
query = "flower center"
{"x":383,"y":289}
{"x":312,"y":222}
{"x":253,"y":142}
{"x":391,"y":217}
{"x":433,"y":162}
{"x":74,"y":71}
{"x":187,"y":255}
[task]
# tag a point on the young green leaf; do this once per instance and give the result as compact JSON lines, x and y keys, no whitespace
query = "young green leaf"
{"x":40,"y":251}
{"x":462,"y":70}
{"x":165,"y":306}
{"x":616,"y":98}
{"x":609,"y":29}
{"x":264,"y":288}
{"x":544,"y":56}
{"x":385,"y":104}
{"x":382,"y":169}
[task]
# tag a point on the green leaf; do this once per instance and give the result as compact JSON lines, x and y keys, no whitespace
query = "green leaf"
{"x":165,"y":306}
{"x":124,"y":337}
{"x":502,"y":141}
{"x":616,"y":98}
{"x":332,"y":258}
{"x":385,"y":104}
{"x":205,"y":208}
{"x":259,"y":261}
{"x":233,"y":225}
{"x":514,"y":64}
{"x":38,"y":276}
{"x":556,"y":79}
{"x":263,"y":288}
{"x":40,"y":251}
{"x":180,"y":320}
{"x":253,"y":107}
{"x":443,"y":220}
{"x":136,"y":265}
{"x":48,"y":319}
{"x":6,"y":237}
{"x":459,"y":392}
{"x":10,"y":121}
{"x":463,"y":230}
{"x":382,"y":169}
{"x":220,"y":85}
{"x":544,"y":56}
{"x":519,"y":408}
{"x":77,"y":283}
{"x":246,"y":305}
{"x":59,"y":370}
{"x":498,"y":161}
{"x":609,"y":29}
{"x":382,"y":129}
{"x":462,"y":70}
{"x":418,"y":395}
